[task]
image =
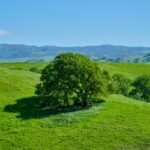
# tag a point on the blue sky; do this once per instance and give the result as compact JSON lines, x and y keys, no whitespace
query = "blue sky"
{"x":75,"y":22}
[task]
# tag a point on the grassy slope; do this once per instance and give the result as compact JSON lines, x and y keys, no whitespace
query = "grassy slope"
{"x":120,"y":123}
{"x":23,"y":66}
{"x":130,"y":70}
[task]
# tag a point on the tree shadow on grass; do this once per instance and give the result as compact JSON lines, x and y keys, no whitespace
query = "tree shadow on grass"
{"x":39,"y":107}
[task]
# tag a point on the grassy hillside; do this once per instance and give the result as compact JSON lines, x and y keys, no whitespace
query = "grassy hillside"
{"x":23,"y":66}
{"x":118,"y":123}
{"x":130,"y":70}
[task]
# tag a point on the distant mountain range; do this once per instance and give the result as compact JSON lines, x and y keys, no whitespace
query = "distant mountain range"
{"x":21,"y":52}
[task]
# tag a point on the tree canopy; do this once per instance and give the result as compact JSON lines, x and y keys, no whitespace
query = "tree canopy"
{"x":73,"y":79}
{"x":141,"y":88}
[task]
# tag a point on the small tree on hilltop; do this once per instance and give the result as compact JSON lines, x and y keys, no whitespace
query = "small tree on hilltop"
{"x":73,"y":79}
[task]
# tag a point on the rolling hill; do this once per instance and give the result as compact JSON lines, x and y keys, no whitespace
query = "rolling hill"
{"x":33,"y":53}
{"x":118,"y":123}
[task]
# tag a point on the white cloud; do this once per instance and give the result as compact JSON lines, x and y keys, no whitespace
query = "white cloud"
{"x":4,"y":33}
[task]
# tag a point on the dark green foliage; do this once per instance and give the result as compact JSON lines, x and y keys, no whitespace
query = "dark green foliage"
{"x":136,"y":60}
{"x":73,"y":79}
{"x":121,"y":84}
{"x":110,"y":87}
{"x":34,"y":69}
{"x":141,"y":88}
{"x":147,"y":55}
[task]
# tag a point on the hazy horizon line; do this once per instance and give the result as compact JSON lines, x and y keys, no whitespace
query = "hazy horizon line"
{"x":92,"y":45}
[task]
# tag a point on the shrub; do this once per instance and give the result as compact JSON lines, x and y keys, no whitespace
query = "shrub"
{"x":73,"y":79}
{"x":121,"y":84}
{"x":141,"y":88}
{"x":34,"y":69}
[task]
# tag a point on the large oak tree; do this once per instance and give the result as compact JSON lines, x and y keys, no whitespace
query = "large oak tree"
{"x":73,"y":79}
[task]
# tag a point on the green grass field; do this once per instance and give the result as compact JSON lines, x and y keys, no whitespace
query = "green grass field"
{"x":120,"y":123}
